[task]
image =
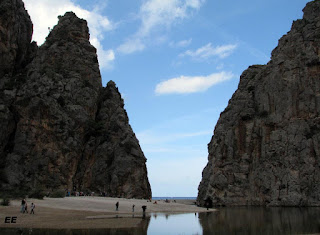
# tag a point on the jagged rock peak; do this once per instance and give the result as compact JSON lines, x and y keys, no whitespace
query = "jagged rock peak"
{"x":311,"y":11}
{"x":61,"y":130}
{"x":111,"y":84}
{"x":69,"y":28}
{"x":303,"y":30}
{"x":266,"y":145}
{"x":111,"y":90}
{"x":15,"y":36}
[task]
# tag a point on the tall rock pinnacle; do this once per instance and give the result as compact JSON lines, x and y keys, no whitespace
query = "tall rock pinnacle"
{"x":266,"y":145}
{"x":63,"y":130}
{"x":15,"y":36}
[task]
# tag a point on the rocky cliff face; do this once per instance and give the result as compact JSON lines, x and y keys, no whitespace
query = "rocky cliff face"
{"x":266,"y":144}
{"x":60,"y":129}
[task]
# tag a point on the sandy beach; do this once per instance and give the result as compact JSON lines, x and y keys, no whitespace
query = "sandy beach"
{"x":90,"y":212}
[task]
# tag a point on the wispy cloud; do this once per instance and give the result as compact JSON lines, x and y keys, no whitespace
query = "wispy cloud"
{"x":208,"y":51}
{"x":185,"y":84}
{"x":156,"y":15}
{"x":131,"y":45}
{"x":44,"y":14}
{"x":182,"y":43}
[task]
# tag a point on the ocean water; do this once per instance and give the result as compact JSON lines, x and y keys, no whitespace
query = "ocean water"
{"x":239,"y":220}
{"x":174,"y":198}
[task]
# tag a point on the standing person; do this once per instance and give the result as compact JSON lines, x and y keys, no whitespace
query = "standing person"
{"x":208,"y":203}
{"x":23,"y":202}
{"x":133,"y":207}
{"x":32,"y":208}
{"x":117,"y":206}
{"x":26,"y":207}
{"x":144,"y":211}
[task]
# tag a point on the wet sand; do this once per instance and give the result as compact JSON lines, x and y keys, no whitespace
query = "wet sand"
{"x":89,"y":212}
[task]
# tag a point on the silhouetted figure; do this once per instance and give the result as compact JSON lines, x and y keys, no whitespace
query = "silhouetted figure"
{"x":32,"y":208}
{"x":117,"y":206}
{"x":23,"y":202}
{"x":144,"y":211}
{"x":133,"y":207}
{"x":26,"y":208}
{"x":208,"y":203}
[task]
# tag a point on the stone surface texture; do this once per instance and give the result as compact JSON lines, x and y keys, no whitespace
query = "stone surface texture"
{"x":60,"y":129}
{"x":266,"y":145}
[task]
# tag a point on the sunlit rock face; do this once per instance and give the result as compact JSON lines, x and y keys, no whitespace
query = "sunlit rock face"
{"x":266,"y":145}
{"x":60,"y":129}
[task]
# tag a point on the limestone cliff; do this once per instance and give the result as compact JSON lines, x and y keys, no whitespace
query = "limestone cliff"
{"x":266,"y":145}
{"x":60,"y":129}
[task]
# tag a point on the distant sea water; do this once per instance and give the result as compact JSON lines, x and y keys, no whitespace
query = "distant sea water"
{"x":174,"y":198}
{"x":225,"y":221}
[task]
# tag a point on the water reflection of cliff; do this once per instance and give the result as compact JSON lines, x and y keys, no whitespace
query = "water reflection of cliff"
{"x":140,"y":230}
{"x":261,"y":221}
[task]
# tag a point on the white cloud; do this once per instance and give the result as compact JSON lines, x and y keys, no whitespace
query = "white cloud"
{"x":156,"y":14}
{"x":106,"y":57}
{"x":44,"y":14}
{"x":130,"y":46}
{"x":185,"y":84}
{"x":194,"y":3}
{"x":208,"y":51}
{"x":183,"y":43}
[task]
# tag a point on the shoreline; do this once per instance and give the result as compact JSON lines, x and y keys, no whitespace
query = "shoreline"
{"x":91,"y":212}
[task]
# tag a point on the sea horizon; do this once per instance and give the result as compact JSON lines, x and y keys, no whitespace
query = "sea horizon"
{"x":173,"y":198}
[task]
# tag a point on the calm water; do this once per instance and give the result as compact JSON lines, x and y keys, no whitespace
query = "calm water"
{"x":174,"y":198}
{"x":225,"y":221}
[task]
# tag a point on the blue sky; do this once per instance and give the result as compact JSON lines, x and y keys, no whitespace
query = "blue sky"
{"x":176,"y":64}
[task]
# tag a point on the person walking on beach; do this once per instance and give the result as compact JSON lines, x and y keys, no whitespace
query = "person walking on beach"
{"x":26,"y":207}
{"x":23,"y":202}
{"x":144,"y":211}
{"x":32,"y":208}
{"x":133,"y":207}
{"x":117,"y":206}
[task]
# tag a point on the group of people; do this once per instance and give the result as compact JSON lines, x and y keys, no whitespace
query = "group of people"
{"x":143,"y":207}
{"x":78,"y":194}
{"x":24,"y":207}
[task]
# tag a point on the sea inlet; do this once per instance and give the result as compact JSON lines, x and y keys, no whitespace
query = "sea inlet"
{"x":236,"y":220}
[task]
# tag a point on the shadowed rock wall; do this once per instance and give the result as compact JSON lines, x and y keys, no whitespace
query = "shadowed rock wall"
{"x":266,"y":145}
{"x":60,"y":129}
